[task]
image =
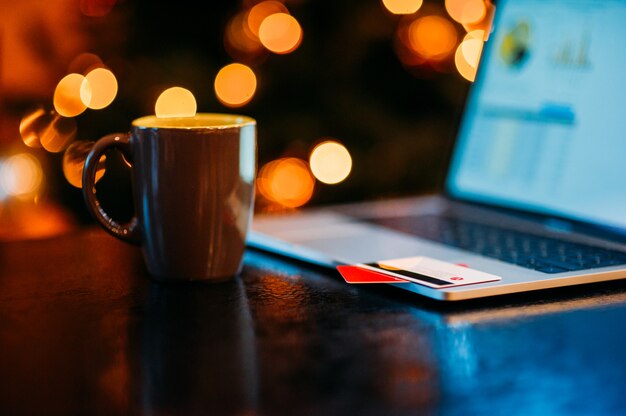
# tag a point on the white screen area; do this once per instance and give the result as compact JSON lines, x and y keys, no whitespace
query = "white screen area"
{"x":544,"y":127}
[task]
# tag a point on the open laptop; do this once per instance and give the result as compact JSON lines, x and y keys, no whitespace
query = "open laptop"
{"x":536,"y":188}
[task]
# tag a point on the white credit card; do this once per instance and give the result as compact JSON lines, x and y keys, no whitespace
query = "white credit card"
{"x":430,"y":272}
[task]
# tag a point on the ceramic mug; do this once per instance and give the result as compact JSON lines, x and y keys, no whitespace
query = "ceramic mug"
{"x":193,"y":191}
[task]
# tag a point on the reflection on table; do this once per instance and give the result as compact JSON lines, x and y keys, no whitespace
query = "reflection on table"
{"x":84,"y":330}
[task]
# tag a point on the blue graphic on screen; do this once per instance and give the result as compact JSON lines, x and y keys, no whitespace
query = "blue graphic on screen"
{"x":544,"y":126}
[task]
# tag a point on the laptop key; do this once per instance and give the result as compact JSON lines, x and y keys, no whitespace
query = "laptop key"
{"x":531,"y":251}
{"x":549,"y":269}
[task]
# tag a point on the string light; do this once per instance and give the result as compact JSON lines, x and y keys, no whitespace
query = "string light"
{"x":70,"y":94}
{"x":235,"y":85}
{"x":287,"y":182}
{"x":175,"y":102}
{"x":330,"y":162}
{"x":74,"y":163}
{"x":98,"y":89}
{"x":402,"y":6}
{"x":280,"y":33}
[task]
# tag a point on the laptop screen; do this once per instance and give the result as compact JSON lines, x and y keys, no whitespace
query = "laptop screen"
{"x":545,"y":124}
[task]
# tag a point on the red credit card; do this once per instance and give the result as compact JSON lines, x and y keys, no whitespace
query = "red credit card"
{"x":354,"y":274}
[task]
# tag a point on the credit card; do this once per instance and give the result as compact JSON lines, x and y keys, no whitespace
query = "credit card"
{"x":422,"y":270}
{"x":354,"y":274}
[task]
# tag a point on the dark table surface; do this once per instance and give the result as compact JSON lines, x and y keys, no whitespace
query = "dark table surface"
{"x":84,"y":330}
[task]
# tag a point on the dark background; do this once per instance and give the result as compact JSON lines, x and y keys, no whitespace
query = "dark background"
{"x":345,"y":81}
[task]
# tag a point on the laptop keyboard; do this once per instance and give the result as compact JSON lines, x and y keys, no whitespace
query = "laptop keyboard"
{"x":537,"y":252}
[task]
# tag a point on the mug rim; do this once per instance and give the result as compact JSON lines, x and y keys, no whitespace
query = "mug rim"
{"x":180,"y":123}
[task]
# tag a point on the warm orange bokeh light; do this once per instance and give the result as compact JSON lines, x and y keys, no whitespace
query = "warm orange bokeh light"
{"x":472,"y":47}
{"x":41,"y":128}
{"x":69,"y":95}
{"x":31,"y":124}
{"x":175,"y":102}
{"x":483,"y":24}
{"x":260,"y":11}
{"x":465,"y":69}
{"x":235,"y":85}
{"x":84,"y":63}
{"x":468,"y":54}
{"x":239,"y":41}
{"x":286,"y":181}
{"x":280,"y":33}
{"x":57,"y":133}
{"x":432,"y":37}
{"x":402,"y":6}
{"x":74,"y":163}
{"x":21,"y":175}
{"x":466,"y":11}
{"x":98,"y":89}
{"x":330,"y":162}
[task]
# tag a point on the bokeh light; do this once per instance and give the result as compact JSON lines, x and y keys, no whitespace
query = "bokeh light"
{"x":468,"y":53}
{"x":260,"y":11}
{"x":280,"y":33}
{"x":98,"y":89}
{"x":31,"y":124}
{"x":74,"y":162}
{"x":239,"y":41}
{"x":21,"y":175}
{"x":465,"y":69}
{"x":69,"y":95}
{"x":84,"y":63}
{"x":402,"y":46}
{"x":287,"y":182}
{"x":402,"y":6}
{"x":330,"y":162}
{"x":483,"y":24}
{"x":96,"y":8}
{"x":466,"y":11}
{"x":472,"y":47}
{"x":175,"y":102}
{"x":235,"y":85}
{"x":432,"y":37}
{"x":57,"y":133}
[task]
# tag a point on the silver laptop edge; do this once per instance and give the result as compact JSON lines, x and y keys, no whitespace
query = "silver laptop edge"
{"x":319,"y":235}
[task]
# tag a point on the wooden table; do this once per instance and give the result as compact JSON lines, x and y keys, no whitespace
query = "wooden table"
{"x":83,"y":330}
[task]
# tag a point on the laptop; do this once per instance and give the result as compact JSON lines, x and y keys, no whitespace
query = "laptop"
{"x":535,"y":191}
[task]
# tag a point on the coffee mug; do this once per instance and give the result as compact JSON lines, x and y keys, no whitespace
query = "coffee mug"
{"x":193,"y":192}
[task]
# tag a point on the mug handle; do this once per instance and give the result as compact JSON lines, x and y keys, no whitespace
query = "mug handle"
{"x":130,"y":231}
